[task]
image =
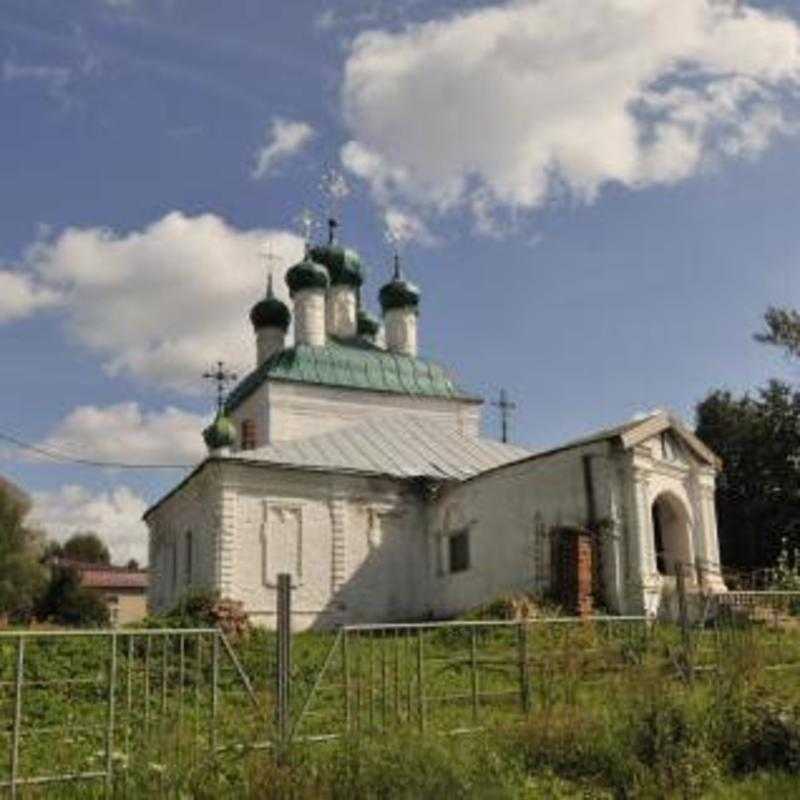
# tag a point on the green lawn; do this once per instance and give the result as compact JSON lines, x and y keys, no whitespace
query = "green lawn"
{"x":573,"y":710}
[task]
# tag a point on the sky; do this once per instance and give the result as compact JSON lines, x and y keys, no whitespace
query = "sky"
{"x":596,"y":197}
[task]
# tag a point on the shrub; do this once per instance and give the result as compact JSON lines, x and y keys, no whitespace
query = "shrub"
{"x":66,"y":602}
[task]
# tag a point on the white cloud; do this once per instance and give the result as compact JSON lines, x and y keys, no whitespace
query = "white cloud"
{"x":514,"y":105}
{"x":124,"y":433}
{"x":54,"y":78}
{"x":54,"y":75}
{"x":284,"y":138}
{"x":162,"y":304}
{"x":403,"y":227}
{"x":116,"y":515}
{"x":21,"y":295}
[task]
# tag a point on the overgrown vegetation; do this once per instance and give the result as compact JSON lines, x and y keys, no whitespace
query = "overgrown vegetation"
{"x":613,"y":722}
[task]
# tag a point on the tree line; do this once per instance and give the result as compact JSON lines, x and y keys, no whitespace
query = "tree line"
{"x":38,"y":579}
{"x":757,"y":435}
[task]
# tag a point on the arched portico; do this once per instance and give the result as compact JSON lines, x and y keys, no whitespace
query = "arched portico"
{"x":672,"y":533}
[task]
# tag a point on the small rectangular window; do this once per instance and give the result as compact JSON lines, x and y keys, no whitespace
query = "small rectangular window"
{"x":459,"y":551}
{"x":189,"y":556}
{"x":248,"y":434}
{"x":173,"y":551}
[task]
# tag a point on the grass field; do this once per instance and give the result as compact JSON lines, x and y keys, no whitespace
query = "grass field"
{"x":568,"y":710}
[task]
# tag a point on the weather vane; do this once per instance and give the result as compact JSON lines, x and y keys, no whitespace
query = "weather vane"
{"x":222,"y":378}
{"x":334,"y":189}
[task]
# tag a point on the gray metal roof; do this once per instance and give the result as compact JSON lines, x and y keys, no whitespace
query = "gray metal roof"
{"x":402,"y":446}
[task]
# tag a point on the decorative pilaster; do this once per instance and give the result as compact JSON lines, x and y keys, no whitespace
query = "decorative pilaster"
{"x":612,"y":543}
{"x":338,"y":510}
{"x":226,"y":541}
{"x":646,"y":536}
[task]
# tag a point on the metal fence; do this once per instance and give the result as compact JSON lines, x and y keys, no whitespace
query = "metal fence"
{"x":108,"y":707}
{"x":456,"y":676}
{"x":92,"y":706}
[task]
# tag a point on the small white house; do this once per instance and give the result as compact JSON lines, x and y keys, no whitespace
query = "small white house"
{"x":359,"y":469}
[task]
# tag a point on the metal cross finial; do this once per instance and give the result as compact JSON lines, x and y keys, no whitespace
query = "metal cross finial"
{"x":506,"y":407}
{"x":306,"y":223}
{"x":397,"y":271}
{"x":222,"y":378}
{"x":269,"y":257}
{"x":334,"y":188}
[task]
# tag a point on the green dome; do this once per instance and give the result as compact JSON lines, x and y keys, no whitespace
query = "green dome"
{"x":220,"y":433}
{"x":366,"y":324}
{"x":342,"y":263}
{"x":270,"y":312}
{"x":307,"y":275}
{"x":398,"y":293}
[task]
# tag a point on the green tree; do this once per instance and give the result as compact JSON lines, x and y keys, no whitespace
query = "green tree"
{"x":86,"y":546}
{"x":22,"y":578}
{"x":66,"y":602}
{"x":758,"y":491}
{"x":782,"y":330}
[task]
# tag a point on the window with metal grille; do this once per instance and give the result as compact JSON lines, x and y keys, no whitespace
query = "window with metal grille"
{"x":458,"y":544}
{"x":248,"y":434}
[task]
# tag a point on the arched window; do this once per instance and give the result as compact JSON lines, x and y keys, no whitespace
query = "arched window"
{"x":248,"y":437}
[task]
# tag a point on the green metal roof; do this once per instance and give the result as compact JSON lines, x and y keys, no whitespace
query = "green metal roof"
{"x":351,"y":364}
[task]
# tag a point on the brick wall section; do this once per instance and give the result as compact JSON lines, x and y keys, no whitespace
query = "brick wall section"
{"x":576,"y":570}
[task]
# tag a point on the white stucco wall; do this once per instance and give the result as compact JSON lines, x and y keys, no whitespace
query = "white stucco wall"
{"x":400,"y":325}
{"x":196,"y":507}
{"x":309,"y":317}
{"x":341,"y":307}
{"x":356,"y":547}
{"x":268,"y":342}
{"x":372,"y":549}
{"x":510,"y":512}
{"x":283,"y":410}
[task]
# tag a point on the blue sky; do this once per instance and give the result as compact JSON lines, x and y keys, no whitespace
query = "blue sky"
{"x":597,"y":199}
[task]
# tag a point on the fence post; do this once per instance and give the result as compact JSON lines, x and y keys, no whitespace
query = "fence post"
{"x":214,"y":692}
{"x":112,"y":688}
{"x":17,"y":715}
{"x":420,"y":686}
{"x":346,"y":671}
{"x":522,"y":652}
{"x":284,"y":658}
{"x":473,"y":653}
{"x":683,"y":618}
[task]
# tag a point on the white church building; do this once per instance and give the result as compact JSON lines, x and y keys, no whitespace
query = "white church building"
{"x":355,"y":465}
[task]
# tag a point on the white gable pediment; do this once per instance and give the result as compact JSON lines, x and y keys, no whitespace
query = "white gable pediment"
{"x":668,"y":439}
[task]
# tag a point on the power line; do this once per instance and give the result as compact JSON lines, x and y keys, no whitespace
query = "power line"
{"x":55,"y":455}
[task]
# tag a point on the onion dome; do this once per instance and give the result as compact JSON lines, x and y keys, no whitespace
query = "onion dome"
{"x":342,"y":263}
{"x":220,"y":433}
{"x":270,"y":312}
{"x":398,"y":293}
{"x":366,"y":325}
{"x":307,"y":275}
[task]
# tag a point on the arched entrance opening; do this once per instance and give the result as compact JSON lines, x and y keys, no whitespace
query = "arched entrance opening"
{"x":671,"y":533}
